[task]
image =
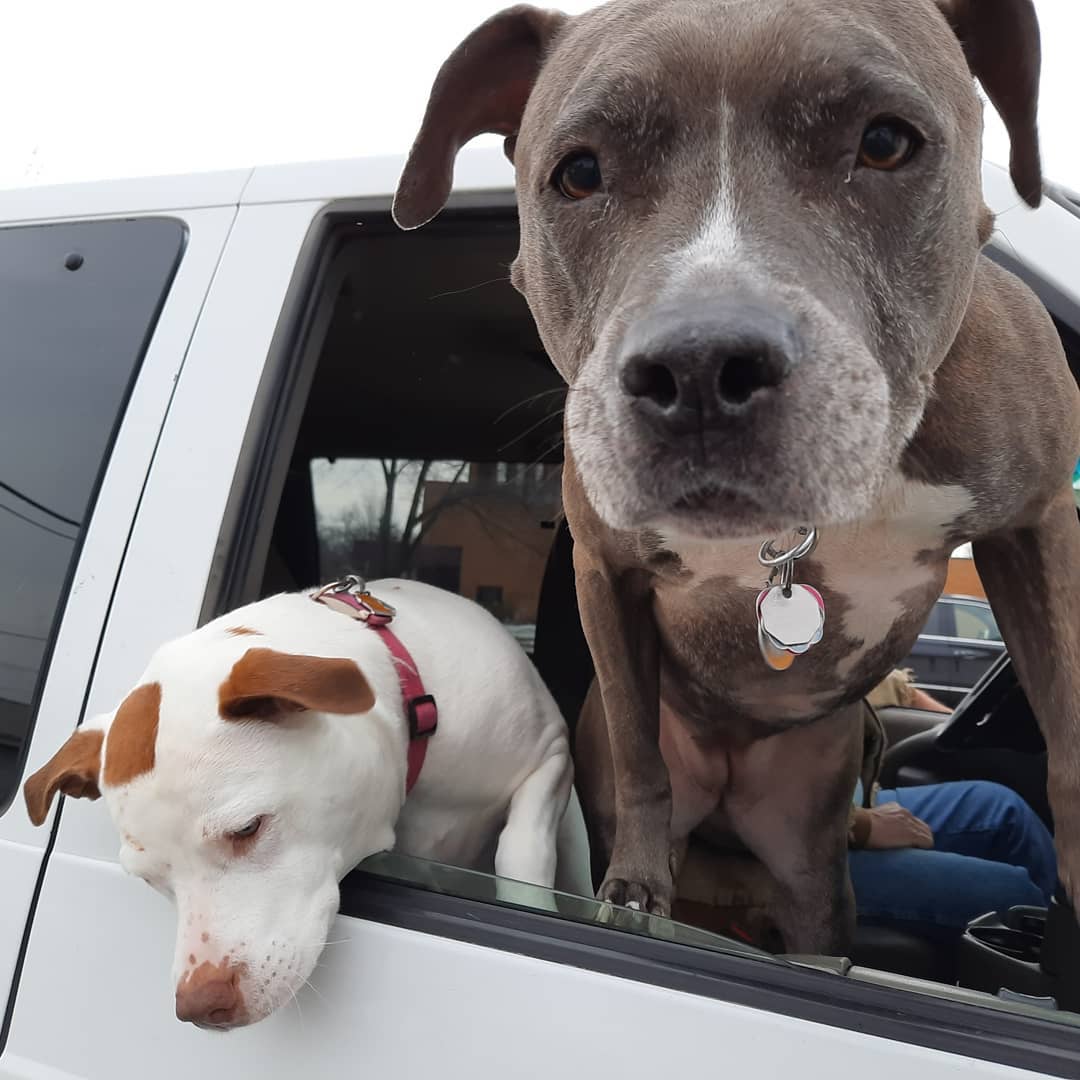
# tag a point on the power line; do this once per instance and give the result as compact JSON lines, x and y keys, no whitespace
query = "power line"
{"x":39,"y":506}
{"x":36,"y":524}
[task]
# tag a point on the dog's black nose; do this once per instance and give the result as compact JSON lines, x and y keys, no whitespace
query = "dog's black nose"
{"x":686,"y":366}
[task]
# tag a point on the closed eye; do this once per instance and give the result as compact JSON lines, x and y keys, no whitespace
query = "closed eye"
{"x":246,"y":834}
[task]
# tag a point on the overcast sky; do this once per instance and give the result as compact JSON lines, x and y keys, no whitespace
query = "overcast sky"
{"x":104,"y":88}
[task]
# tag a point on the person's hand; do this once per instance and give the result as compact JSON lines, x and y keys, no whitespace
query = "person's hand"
{"x":920,"y":699}
{"x":891,"y":826}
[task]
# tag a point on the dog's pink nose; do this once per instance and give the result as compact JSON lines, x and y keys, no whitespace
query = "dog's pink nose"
{"x":210,"y":996}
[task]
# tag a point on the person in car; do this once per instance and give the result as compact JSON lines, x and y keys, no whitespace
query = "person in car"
{"x":925,"y":859}
{"x":931,"y":858}
{"x":898,"y":689}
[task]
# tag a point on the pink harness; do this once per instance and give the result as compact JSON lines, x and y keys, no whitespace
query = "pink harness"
{"x":350,"y":596}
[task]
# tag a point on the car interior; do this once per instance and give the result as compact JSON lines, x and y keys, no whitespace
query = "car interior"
{"x":414,"y":429}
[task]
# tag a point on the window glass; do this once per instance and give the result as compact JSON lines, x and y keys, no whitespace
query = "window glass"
{"x":940,"y":621}
{"x":78,"y":303}
{"x":455,"y":881}
{"x":477,"y":528}
{"x":977,"y":623}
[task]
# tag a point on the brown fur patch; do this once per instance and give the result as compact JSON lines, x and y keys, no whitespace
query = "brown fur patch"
{"x":73,"y":770}
{"x":240,"y":631}
{"x":130,"y":750}
{"x":265,"y":683}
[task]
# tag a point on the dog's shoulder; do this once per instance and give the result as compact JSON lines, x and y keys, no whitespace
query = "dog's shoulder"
{"x":1004,"y":416}
{"x":1006,"y":320}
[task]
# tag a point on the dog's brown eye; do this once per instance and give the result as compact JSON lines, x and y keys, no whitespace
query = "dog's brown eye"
{"x":248,"y":831}
{"x":577,"y":176}
{"x":887,"y":144}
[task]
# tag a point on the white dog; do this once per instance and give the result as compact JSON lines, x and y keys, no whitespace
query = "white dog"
{"x":263,"y":756}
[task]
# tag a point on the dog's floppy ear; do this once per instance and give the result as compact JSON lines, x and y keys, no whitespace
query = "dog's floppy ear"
{"x":1000,"y":39}
{"x":265,"y":684}
{"x":74,"y":770}
{"x":481,"y":88}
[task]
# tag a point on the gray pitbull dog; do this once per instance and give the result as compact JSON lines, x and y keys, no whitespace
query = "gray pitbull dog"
{"x":750,"y":238}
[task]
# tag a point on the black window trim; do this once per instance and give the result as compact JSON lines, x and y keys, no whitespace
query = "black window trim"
{"x":890,"y":1013}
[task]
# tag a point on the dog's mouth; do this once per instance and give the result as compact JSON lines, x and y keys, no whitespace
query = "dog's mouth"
{"x":225,"y":1025}
{"x":717,"y":511}
{"x":716,"y":499}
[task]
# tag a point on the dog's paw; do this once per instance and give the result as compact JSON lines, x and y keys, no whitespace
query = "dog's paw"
{"x":1068,"y":855}
{"x":1066,"y":809}
{"x":654,"y":898}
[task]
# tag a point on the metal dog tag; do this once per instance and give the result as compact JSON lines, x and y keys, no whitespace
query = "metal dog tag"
{"x":351,"y":597}
{"x":791,"y":621}
{"x":779,"y":659}
{"x":791,"y":618}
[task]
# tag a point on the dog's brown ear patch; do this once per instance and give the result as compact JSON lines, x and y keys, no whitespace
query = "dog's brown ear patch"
{"x":131,"y":746}
{"x":265,"y":684}
{"x":73,"y":770}
{"x":482,"y":87}
{"x":1001,"y":41}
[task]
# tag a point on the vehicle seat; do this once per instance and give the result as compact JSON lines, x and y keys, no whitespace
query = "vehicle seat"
{"x":901,"y":723}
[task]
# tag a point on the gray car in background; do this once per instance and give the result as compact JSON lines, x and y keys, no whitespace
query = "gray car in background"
{"x":959,"y":642}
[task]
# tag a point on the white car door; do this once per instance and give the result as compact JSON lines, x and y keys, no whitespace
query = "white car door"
{"x":97,"y":313}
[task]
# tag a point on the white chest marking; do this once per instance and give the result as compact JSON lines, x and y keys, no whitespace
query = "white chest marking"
{"x":873,"y":563}
{"x":877,"y":563}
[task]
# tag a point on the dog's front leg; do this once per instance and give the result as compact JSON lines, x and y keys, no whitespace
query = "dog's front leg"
{"x":1032,"y":578}
{"x":789,"y":802}
{"x":617,"y":617}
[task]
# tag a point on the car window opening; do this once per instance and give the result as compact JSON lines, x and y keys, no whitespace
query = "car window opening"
{"x":429,"y":446}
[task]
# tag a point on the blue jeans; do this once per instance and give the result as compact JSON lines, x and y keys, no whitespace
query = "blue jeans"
{"x":991,"y":852}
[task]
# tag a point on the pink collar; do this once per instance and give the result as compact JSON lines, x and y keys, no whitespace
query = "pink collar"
{"x":350,"y":596}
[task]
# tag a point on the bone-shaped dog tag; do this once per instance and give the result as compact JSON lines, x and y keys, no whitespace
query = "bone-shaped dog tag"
{"x":794,"y":620}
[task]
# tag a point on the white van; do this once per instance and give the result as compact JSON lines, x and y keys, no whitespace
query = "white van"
{"x":217,"y":387}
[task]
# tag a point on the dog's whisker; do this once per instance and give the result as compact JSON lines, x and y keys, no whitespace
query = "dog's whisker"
{"x":551,"y":448}
{"x":469,"y":288}
{"x":528,"y":401}
{"x":530,"y":429}
{"x":998,"y":231}
{"x":300,"y":1011}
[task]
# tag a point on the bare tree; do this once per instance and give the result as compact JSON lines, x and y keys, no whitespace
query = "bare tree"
{"x":398,"y":541}
{"x":379,"y":522}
